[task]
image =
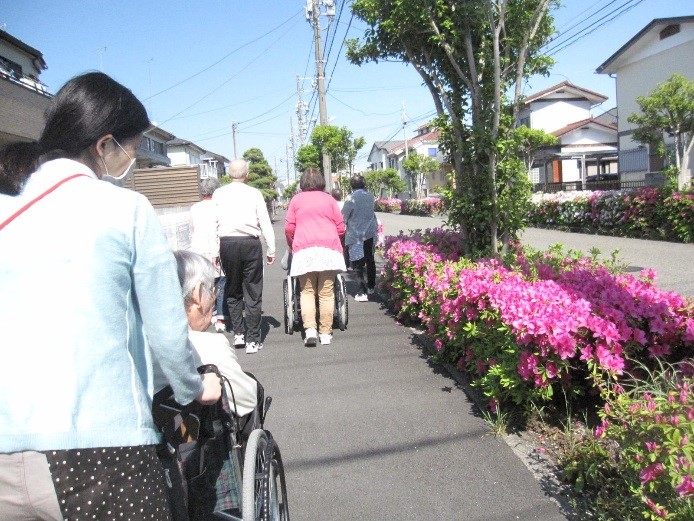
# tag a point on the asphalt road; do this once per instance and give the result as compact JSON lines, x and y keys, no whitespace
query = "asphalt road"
{"x":671,"y":261}
{"x":370,"y":429}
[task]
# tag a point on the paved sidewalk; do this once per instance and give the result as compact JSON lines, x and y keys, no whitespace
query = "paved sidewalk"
{"x":371,"y":430}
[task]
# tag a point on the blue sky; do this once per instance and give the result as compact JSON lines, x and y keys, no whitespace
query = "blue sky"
{"x":199,"y":65}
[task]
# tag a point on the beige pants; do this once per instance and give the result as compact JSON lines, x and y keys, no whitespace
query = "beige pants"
{"x":318,"y":283}
{"x":26,"y":488}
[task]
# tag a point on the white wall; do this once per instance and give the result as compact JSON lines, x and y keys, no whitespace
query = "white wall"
{"x":19,"y":57}
{"x":554,"y":114}
{"x":653,"y":63}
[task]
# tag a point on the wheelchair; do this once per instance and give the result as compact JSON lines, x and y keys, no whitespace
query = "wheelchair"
{"x":216,"y":469}
{"x":292,"y":304}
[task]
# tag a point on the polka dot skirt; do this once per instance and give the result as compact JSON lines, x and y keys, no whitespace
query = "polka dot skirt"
{"x":121,"y":483}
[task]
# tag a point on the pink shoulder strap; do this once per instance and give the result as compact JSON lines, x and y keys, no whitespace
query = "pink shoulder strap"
{"x":37,"y":199}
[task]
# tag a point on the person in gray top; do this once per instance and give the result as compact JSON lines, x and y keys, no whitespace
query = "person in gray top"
{"x":360,"y":219}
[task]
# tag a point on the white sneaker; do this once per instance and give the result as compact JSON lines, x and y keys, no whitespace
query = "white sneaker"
{"x":253,"y":347}
{"x":325,"y":339}
{"x":370,"y":291}
{"x":239,"y":340}
{"x":361,"y":297}
{"x":219,"y":326}
{"x":311,"y":337}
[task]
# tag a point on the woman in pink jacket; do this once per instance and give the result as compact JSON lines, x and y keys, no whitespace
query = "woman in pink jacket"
{"x":313,"y":227}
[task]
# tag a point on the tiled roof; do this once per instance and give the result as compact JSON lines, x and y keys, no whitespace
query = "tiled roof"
{"x":578,"y":124}
{"x":589,"y":94}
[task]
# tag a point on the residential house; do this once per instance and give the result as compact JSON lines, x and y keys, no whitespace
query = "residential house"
{"x":664,"y":47}
{"x":23,"y":98}
{"x":183,"y":152}
{"x":391,"y":154}
{"x":378,"y":157}
{"x":152,"y":152}
{"x":213,"y":165}
{"x":587,"y":145}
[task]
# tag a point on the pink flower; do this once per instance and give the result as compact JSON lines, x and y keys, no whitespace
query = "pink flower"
{"x":659,"y":511}
{"x":686,"y":486}
{"x":527,"y":365}
{"x":651,"y":472}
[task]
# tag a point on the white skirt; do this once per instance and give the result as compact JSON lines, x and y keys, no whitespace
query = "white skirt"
{"x":316,"y":258}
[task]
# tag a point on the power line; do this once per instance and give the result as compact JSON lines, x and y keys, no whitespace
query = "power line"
{"x":339,"y":51}
{"x":224,"y":57}
{"x":231,"y":78}
{"x":622,"y":9}
{"x":361,"y":111}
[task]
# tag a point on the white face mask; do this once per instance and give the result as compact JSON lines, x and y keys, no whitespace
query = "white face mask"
{"x":109,"y":177}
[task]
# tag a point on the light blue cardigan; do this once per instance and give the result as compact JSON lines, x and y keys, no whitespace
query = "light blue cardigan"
{"x":88,"y":294}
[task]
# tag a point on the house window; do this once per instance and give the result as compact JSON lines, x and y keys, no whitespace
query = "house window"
{"x":525,"y":122}
{"x":433,"y":151}
{"x":392,"y":162}
{"x":669,"y":31}
{"x":11,"y":68}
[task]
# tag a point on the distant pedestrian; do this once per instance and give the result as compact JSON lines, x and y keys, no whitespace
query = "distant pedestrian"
{"x":205,"y":241}
{"x":313,"y":228}
{"x":242,"y":216}
{"x":338,"y":195}
{"x":362,"y":226}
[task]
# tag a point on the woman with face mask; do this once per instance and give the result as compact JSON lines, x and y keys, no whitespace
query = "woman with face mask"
{"x":77,"y":439}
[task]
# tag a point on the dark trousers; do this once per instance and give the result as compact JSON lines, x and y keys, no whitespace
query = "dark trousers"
{"x":369,"y":262}
{"x":242,"y":261}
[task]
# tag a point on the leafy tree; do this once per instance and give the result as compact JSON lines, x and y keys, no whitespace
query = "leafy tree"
{"x":389,"y":180}
{"x":339,"y":143}
{"x":529,"y":141}
{"x":669,"y":109}
{"x":470,"y":54}
{"x":306,"y":156}
{"x":260,"y":174}
{"x":418,"y":167}
{"x":291,"y":190}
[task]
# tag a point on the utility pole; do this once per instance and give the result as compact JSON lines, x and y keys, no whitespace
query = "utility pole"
{"x":286,"y":149}
{"x":233,"y":134}
{"x":292,"y":140}
{"x":313,"y":17}
{"x":301,"y":111}
{"x":407,"y":151}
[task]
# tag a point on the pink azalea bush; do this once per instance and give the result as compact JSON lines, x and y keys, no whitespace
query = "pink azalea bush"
{"x":523,"y":329}
{"x":388,"y":205}
{"x":651,"y":213}
{"x":544,"y":322}
{"x":644,"y":451}
{"x":427,"y":206}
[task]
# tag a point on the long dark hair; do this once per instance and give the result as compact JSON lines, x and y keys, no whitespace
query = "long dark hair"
{"x":84,"y":110}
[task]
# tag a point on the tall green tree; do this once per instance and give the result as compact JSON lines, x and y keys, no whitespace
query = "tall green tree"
{"x":418,"y":167}
{"x":669,"y":109}
{"x":306,"y":156}
{"x":387,"y":180}
{"x":472,"y":56}
{"x":339,"y":143}
{"x":260,"y":174}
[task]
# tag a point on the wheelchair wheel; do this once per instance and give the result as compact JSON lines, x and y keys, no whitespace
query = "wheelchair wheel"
{"x":341,"y":302}
{"x":254,"y":482}
{"x":264,"y":484}
{"x":288,"y":288}
{"x":278,"y":507}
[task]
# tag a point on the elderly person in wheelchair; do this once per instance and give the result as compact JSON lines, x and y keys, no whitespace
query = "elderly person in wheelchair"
{"x":218,"y":464}
{"x":197,"y":277}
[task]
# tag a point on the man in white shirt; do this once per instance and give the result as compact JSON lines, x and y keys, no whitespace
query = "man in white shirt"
{"x":242,"y":217}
